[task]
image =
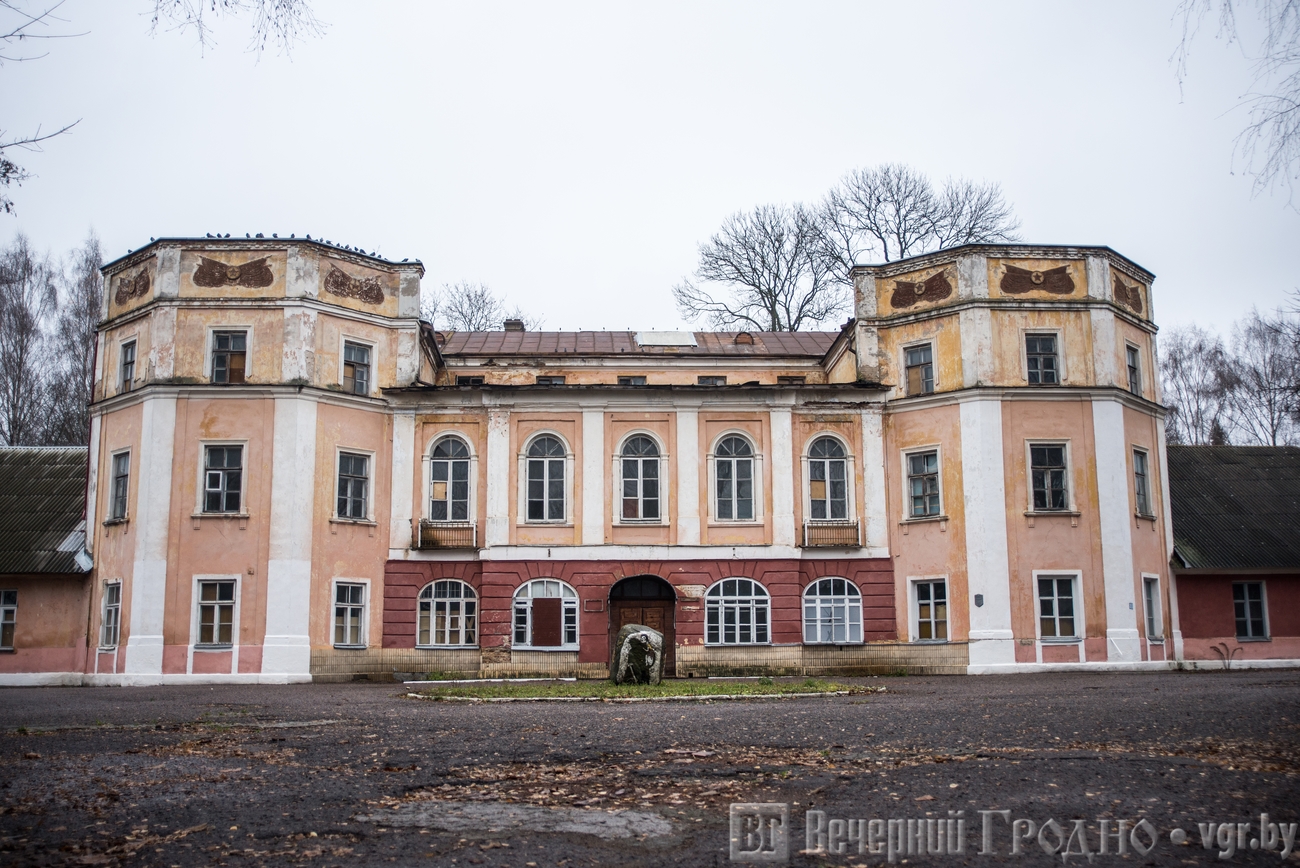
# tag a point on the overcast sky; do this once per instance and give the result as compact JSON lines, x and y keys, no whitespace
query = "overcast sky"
{"x":572,"y":156}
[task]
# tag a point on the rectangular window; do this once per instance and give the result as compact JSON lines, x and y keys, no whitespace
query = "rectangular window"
{"x":349,"y":613}
{"x":932,"y":611}
{"x":356,"y":368}
{"x":710,"y":380}
{"x":1134,"y":369}
{"x":111,"y":627}
{"x":469,"y":381}
{"x":8,"y":619}
{"x":550,"y":380}
{"x":216,"y":613}
{"x":919,"y":361}
{"x":1248,"y":606}
{"x":229,"y":351}
{"x":1041,"y":362}
{"x":121,"y":478}
{"x":1047,"y":468}
{"x":353,"y":480}
{"x":128,"y":365}
{"x":222,"y":478}
{"x":1151,"y":600}
{"x":790,"y":381}
{"x":1141,"y":484}
{"x":923,"y":484}
{"x":1056,"y":607}
{"x":631,"y":381}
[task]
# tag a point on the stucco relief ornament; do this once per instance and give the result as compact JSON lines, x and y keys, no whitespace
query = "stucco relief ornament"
{"x":367,"y":289}
{"x":936,"y":287}
{"x":1130,"y":296}
{"x":131,"y":287}
{"x":1054,"y":280}
{"x":253,"y":274}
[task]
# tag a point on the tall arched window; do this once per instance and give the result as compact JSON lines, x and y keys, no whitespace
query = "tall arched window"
{"x":640,"y":459}
{"x":733,"y":468}
{"x":546,"y":460}
{"x":736,"y":613}
{"x":832,"y":612}
{"x":828,"y":495}
{"x":448,"y":614}
{"x":449,"y":481}
{"x":546,"y":615}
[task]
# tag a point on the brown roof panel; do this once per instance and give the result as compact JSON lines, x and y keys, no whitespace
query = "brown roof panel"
{"x":513,"y":343}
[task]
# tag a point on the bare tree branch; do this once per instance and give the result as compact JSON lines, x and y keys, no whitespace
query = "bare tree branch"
{"x":473,"y":307}
{"x":1197,"y":381}
{"x":282,"y":22}
{"x":27,"y":299}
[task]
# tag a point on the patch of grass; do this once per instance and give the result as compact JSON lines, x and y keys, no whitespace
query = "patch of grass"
{"x":607,"y":690}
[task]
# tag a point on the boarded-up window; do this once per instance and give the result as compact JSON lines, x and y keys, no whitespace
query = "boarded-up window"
{"x":546,"y":622}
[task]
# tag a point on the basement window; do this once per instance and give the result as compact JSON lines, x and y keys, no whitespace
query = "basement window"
{"x":469,"y":381}
{"x":550,"y":380}
{"x":631,"y":381}
{"x":708,"y":380}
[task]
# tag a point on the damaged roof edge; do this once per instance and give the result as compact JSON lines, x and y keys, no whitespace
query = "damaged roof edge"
{"x":141,"y":252}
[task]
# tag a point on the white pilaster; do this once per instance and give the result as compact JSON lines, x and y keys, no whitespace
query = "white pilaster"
{"x":688,"y":477}
{"x":162,"y":344}
{"x":977,"y":354}
{"x":287,"y":648}
{"x":498,"y":479}
{"x":92,"y":483}
{"x":402,"y":511}
{"x":874,"y":511}
{"x":987,"y":560}
{"x":593,"y":477}
{"x":783,"y":530}
{"x":298,"y":362}
{"x":1116,"y":519}
{"x":144,"y":647}
{"x":1105,"y":349}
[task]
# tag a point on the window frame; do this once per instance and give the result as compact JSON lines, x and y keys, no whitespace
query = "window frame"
{"x":105,"y":607}
{"x":427,"y":460}
{"x":1152,"y":602}
{"x":364,"y":625}
{"x":617,"y":480}
{"x":757,"y":479}
{"x":1080,"y":627}
{"x":1134,"y":371}
{"x":196,"y":613}
{"x":569,"y":604}
{"x":907,"y":455}
{"x":806,"y":461}
{"x":1142,"y":483}
{"x":713,"y":380}
{"x":1267,"y":634}
{"x":470,"y":380}
{"x":201,"y":505}
{"x":210,"y":349}
{"x":631,"y":380}
{"x":372,"y":348}
{"x":914,"y":608}
{"x":907,"y":379}
{"x":717,"y":610}
{"x":569,"y":460}
{"x":9,"y":618}
{"x":370,"y":456}
{"x":818,"y":622}
{"x":549,"y":380}
{"x":1068,"y":471}
{"x":124,"y":382}
{"x":124,"y":501}
{"x":1055,"y":333}
{"x":474,"y":597}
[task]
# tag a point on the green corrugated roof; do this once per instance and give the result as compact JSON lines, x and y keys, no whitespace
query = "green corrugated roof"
{"x":1235,"y":507}
{"x":42,"y":498}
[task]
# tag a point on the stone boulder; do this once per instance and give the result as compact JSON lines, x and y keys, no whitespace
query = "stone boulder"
{"x":638,"y":656}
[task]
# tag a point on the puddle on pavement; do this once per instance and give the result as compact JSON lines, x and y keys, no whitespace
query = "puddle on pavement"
{"x":483,"y":818}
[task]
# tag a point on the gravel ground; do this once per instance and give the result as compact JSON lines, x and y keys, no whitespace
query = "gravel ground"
{"x":360,"y":774}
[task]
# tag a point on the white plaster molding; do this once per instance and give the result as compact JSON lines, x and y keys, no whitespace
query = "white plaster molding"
{"x":688,"y":477}
{"x":286,"y":650}
{"x":302,"y":272}
{"x":593,"y":477}
{"x":657,"y":553}
{"x":167,"y":282}
{"x":402,"y":510}
{"x":144,"y":644}
{"x":975,"y":325}
{"x":783,"y":530}
{"x":1097,"y":271}
{"x":162,"y":344}
{"x":973,"y":276}
{"x":299,"y":355}
{"x":864,"y":295}
{"x":93,"y":527}
{"x":408,"y":356}
{"x":499,"y":459}
{"x":987,"y":558}
{"x":1115,"y":517}
{"x":875,"y":510}
{"x":1105,"y":361}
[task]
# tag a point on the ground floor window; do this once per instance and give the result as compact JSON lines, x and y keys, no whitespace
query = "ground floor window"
{"x":349,"y":613}
{"x":448,"y":614}
{"x":832,"y":612}
{"x":216,"y":613}
{"x":8,"y":618}
{"x":111,"y":627}
{"x":1248,"y":606}
{"x":1056,"y":607}
{"x":736,"y":613}
{"x":932,"y":611}
{"x":546,"y":615}
{"x":1151,"y":601}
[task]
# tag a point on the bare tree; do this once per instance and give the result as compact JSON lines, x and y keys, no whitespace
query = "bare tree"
{"x":27,"y":298}
{"x":1265,"y":376}
{"x":69,"y":372}
{"x":473,"y":307}
{"x":772,"y":262}
{"x":1270,"y":143}
{"x":283,"y":22}
{"x":1197,"y":381}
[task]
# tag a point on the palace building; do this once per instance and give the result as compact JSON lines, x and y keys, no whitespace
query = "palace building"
{"x":291,"y":477}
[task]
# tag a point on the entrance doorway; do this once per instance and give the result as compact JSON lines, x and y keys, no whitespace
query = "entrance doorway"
{"x":650,"y":601}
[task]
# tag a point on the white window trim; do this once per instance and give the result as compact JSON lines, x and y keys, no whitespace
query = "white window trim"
{"x":1062,"y":374}
{"x":109,"y":518}
{"x":914,"y":614}
{"x":723,"y":644}
{"x":194,"y":646}
{"x":426,"y":488}
{"x":1263,"y":600}
{"x":522,"y":486}
{"x":370,"y":486}
{"x":1142,"y":374}
{"x":345,"y":338}
{"x":1160,"y":610}
{"x":365,"y":610}
{"x":514,"y":600}
{"x":208,"y":342}
{"x":1150,"y":488}
{"x":760,"y":483}
{"x":478,"y":615}
{"x":1071,"y":507}
{"x":15,"y":621}
{"x":616,"y":475}
{"x":1080,"y":626}
{"x":934,"y":367}
{"x":850,"y":473}
{"x":803,"y":623}
{"x":243,"y":480}
{"x":133,"y":338}
{"x":103,"y":613}
{"x":907,"y":483}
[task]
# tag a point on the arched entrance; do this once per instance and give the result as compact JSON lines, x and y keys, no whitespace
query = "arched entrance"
{"x":647,"y":600}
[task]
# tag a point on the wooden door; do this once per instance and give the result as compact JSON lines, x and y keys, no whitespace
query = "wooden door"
{"x":657,"y":614}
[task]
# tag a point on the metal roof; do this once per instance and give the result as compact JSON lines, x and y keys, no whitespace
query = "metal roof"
{"x":42,"y":498}
{"x":526,"y":343}
{"x":1235,"y":507}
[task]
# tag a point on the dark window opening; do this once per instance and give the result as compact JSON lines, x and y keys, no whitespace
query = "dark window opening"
{"x":229,"y":354}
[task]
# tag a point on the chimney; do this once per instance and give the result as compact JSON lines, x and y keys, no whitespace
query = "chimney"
{"x":514,"y":325}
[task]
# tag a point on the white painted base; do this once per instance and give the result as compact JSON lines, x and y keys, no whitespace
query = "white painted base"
{"x":1123,"y":646}
{"x":992,"y":648}
{"x":1217,"y":665}
{"x":1136,"y":666}
{"x":286,"y":656}
{"x":41,"y":679}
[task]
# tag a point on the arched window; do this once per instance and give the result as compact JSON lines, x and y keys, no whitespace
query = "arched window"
{"x":546,"y":615}
{"x":832,"y":612}
{"x":733,"y":468}
{"x":640,"y":461}
{"x":736,"y":613}
{"x":546,"y":460}
{"x":828,"y":495}
{"x":449,"y":481}
{"x":448,"y":614}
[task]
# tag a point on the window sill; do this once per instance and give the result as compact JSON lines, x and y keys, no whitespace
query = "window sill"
{"x":930,"y":641}
{"x":1060,"y":640}
{"x":1144,"y":516}
{"x":738,"y":644}
{"x":1032,"y":515}
{"x":350,"y":647}
{"x":7,"y":651}
{"x":922,"y":519}
{"x":334,"y":519}
{"x":449,"y":648}
{"x":567,"y":648}
{"x":106,"y":649}
{"x":196,"y":519}
{"x":545,"y":524}
{"x":722,"y":522}
{"x":1254,"y":638}
{"x":634,"y":522}
{"x":109,"y":522}
{"x":1156,"y":640}
{"x":828,"y":644}
{"x":213,"y":647}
